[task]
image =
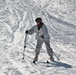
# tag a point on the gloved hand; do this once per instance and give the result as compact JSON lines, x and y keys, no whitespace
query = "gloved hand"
{"x":42,"y":36}
{"x":24,"y":46}
{"x":26,"y":31}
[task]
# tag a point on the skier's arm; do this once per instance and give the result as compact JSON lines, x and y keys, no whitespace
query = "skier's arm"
{"x":31,"y":31}
{"x":45,"y":30}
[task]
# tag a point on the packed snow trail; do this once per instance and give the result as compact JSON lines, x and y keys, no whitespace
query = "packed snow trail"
{"x":18,"y":16}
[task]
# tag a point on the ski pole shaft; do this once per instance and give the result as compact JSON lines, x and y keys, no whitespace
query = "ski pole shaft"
{"x":52,"y":51}
{"x":24,"y":45}
{"x":56,"y":56}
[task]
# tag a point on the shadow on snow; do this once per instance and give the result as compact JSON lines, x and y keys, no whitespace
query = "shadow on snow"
{"x":58,"y":64}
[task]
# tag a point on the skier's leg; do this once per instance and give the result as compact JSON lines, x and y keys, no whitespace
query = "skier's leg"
{"x":49,"y":49}
{"x":37,"y":50}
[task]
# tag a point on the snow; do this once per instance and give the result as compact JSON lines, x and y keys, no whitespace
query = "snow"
{"x":16,"y":16}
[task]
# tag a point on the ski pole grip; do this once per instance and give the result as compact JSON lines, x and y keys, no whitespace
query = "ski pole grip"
{"x":24,"y":46}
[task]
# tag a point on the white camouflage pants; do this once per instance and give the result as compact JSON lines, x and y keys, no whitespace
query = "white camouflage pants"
{"x":39,"y":45}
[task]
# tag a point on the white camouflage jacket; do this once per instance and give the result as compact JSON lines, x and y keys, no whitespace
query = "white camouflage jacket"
{"x":43,"y":31}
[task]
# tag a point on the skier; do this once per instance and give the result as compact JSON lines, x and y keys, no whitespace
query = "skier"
{"x":41,"y":34}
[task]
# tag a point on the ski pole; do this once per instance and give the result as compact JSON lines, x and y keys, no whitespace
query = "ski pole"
{"x":25,"y":46}
{"x":52,"y":51}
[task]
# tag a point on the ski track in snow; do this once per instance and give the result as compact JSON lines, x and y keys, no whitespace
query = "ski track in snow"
{"x":16,"y":16}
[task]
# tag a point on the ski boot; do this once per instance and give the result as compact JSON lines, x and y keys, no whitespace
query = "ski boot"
{"x":51,"y":59}
{"x":35,"y":59}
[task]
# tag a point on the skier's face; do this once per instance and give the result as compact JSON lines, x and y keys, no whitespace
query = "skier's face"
{"x":38,"y":23}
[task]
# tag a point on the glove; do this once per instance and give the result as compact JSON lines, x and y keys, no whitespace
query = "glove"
{"x":42,"y":36}
{"x":26,"y":31}
{"x":24,"y":46}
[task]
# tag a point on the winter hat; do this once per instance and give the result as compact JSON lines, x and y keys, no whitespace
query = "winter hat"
{"x":38,"y":20}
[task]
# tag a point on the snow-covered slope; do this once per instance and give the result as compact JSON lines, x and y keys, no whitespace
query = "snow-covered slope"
{"x":16,"y":16}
